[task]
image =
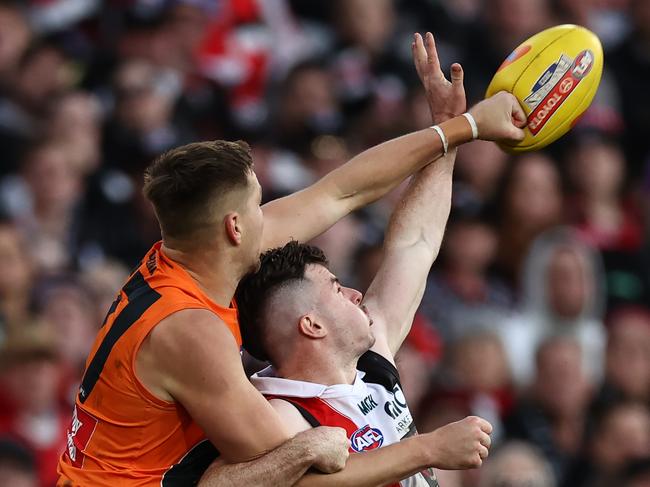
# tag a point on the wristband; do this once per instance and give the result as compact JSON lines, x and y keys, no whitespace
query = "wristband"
{"x":443,"y":138}
{"x":472,"y":124}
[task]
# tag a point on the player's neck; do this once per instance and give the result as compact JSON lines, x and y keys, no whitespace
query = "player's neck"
{"x":215,"y":273}
{"x":318,"y":368}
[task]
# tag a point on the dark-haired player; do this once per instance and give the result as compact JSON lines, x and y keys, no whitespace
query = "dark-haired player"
{"x":332,"y":350}
{"x":164,"y":391}
{"x":332,"y":355}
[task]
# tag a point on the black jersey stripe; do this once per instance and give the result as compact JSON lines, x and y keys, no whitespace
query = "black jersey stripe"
{"x":141,"y":296}
{"x":189,"y":470}
{"x":378,"y":370}
{"x":304,"y":413}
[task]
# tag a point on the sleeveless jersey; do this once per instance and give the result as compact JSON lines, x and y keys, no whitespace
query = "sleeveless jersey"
{"x":372,"y":410}
{"x":121,"y":434}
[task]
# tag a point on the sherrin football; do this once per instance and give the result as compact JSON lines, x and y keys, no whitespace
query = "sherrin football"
{"x":554,"y":75}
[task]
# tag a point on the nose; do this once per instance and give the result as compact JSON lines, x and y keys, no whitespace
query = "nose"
{"x":353,"y":295}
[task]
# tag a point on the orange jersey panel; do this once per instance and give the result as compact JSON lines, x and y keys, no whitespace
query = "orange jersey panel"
{"x":120,"y":433}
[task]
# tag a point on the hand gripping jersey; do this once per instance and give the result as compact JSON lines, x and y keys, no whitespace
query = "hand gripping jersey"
{"x":373,"y":410}
{"x":120,"y":433}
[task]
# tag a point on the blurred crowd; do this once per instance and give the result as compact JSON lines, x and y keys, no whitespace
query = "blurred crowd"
{"x":537,"y":312}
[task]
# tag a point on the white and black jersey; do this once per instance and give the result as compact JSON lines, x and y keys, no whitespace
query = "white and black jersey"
{"x":372,"y":410}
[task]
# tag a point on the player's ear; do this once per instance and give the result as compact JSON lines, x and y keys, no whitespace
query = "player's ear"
{"x":310,"y":327}
{"x":232,"y":225}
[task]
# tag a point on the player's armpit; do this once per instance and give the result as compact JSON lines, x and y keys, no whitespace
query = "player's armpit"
{"x":200,"y":367}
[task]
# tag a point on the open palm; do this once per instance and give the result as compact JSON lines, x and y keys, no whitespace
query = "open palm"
{"x":446,"y":99}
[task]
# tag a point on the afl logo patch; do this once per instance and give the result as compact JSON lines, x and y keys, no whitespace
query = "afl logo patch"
{"x":583,"y":63}
{"x":366,"y":438}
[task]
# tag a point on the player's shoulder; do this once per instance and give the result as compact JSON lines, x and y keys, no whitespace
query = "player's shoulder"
{"x":378,"y":369}
{"x":291,"y":416}
{"x":193,"y":327}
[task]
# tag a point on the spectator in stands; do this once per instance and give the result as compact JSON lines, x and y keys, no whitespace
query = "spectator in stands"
{"x":627,"y":363}
{"x":66,"y":309}
{"x":552,"y":414}
{"x":530,"y":201}
{"x":308,"y":107}
{"x":15,"y":279}
{"x":620,"y":434}
{"x":17,"y":465}
{"x":461,"y":295}
{"x":475,"y":377}
{"x":516,"y":464}
{"x":629,"y":63}
{"x":75,"y":122}
{"x":101,"y":281}
{"x":31,"y":374}
{"x":562,"y":296}
{"x":503,"y":25}
{"x":369,"y":62}
{"x":607,"y":217}
{"x":15,"y":35}
{"x":604,"y":219}
{"x":142,"y":125}
{"x":479,"y":167}
{"x":54,"y":192}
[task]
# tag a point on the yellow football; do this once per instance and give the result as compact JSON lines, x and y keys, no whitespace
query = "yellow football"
{"x":554,"y":75}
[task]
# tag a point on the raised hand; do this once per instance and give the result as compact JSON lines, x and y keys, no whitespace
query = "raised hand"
{"x":446,"y":99}
{"x":460,"y":445}
{"x":499,"y":118}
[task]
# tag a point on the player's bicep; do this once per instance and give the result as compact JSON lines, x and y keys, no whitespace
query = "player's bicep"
{"x":396,"y":292}
{"x":205,"y":374}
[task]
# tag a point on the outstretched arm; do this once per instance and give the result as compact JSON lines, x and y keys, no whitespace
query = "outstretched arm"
{"x":417,"y":224}
{"x":364,"y":179}
{"x":412,"y":242}
{"x":376,"y":171}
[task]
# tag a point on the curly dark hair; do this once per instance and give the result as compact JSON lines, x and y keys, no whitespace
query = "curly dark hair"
{"x":278,"y":267}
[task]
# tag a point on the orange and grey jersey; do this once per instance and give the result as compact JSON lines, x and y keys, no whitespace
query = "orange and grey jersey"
{"x":120,"y":433}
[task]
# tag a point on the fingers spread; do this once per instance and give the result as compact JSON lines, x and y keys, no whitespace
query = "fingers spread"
{"x":457,"y":74}
{"x":419,"y":54}
{"x":432,"y":53}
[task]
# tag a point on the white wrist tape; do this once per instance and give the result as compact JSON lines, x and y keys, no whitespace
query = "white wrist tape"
{"x":443,"y":138}
{"x":472,"y":123}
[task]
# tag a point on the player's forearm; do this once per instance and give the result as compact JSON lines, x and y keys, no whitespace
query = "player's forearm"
{"x":283,"y":466}
{"x":382,"y":466}
{"x":376,"y":171}
{"x":422,"y":214}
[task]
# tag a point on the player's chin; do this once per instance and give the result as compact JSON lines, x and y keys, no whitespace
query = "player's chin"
{"x":371,"y":339}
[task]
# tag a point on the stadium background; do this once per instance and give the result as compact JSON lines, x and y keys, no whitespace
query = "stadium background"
{"x":536,"y":315}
